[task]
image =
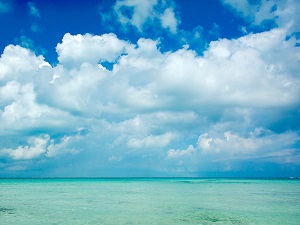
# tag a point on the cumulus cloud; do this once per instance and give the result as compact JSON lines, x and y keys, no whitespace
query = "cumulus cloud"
{"x":37,"y":146}
{"x":152,"y":101}
{"x":20,"y":111}
{"x":145,"y":80}
{"x":172,"y":153}
{"x":40,"y":146}
{"x":259,"y":145}
{"x":23,"y":101}
{"x":19,"y":64}
{"x":77,"y":49}
{"x":260,"y":140}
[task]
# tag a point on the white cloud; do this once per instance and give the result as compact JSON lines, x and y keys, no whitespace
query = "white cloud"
{"x":141,"y":11}
{"x":139,"y":127}
{"x":9,"y":92}
{"x":259,"y":141}
{"x":143,"y":14}
{"x":225,"y":149}
{"x":204,"y":141}
{"x":149,"y":79}
{"x":37,"y":147}
{"x":250,"y":71}
{"x":153,"y":100}
{"x":63,"y":146}
{"x":23,"y":104}
{"x":41,"y":146}
{"x":168,"y":20}
{"x":20,"y":64}
{"x":284,"y":13}
{"x":20,"y":111}
{"x":243,"y":7}
{"x":78,"y":49}
{"x":172,"y":153}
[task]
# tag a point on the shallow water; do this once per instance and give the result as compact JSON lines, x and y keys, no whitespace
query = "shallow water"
{"x":149,"y":201}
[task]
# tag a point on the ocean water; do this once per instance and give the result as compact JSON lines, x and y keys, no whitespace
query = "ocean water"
{"x":149,"y":201}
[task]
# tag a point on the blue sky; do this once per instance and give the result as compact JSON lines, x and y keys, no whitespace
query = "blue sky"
{"x":149,"y":88}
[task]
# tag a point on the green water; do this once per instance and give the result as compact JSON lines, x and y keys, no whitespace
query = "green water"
{"x":149,"y":201}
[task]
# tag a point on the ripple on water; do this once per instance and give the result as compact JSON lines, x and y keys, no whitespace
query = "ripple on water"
{"x":6,"y":210}
{"x":212,"y":218}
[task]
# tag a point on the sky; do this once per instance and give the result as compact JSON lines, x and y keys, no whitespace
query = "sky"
{"x":140,"y":88}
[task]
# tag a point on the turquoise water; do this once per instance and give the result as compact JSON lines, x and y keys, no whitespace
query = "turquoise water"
{"x":149,"y":201}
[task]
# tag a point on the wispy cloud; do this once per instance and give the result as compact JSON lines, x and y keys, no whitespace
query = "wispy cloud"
{"x":33,"y":10}
{"x":261,"y":13}
{"x":141,"y":15}
{"x":5,"y":6}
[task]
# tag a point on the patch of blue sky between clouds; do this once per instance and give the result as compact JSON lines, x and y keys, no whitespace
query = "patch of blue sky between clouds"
{"x":150,"y":91}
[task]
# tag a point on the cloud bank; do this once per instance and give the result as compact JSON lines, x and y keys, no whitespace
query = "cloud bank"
{"x":123,"y":105}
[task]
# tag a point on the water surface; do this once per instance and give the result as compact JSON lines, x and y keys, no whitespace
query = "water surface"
{"x":150,"y":201}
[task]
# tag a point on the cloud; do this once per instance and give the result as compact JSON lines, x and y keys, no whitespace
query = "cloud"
{"x":282,"y":13}
{"x":21,"y":112}
{"x":135,"y":12}
{"x":171,"y":80}
{"x":143,"y":15}
{"x":114,"y":158}
{"x":55,"y":149}
{"x":151,"y":141}
{"x":20,"y":64}
{"x":77,"y":49}
{"x":5,"y":6}
{"x":145,"y":80}
{"x":260,"y":140}
{"x":33,"y":10}
{"x":41,"y":145}
{"x":228,"y":151}
{"x":23,"y":101}
{"x":35,"y":28}
{"x":168,"y":20}
{"x":28,"y":43}
{"x":37,"y":146}
{"x":215,"y":31}
{"x":172,"y":153}
{"x":137,"y":103}
{"x":35,"y":15}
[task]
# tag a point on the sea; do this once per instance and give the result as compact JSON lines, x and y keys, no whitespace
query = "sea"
{"x":140,"y":201}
